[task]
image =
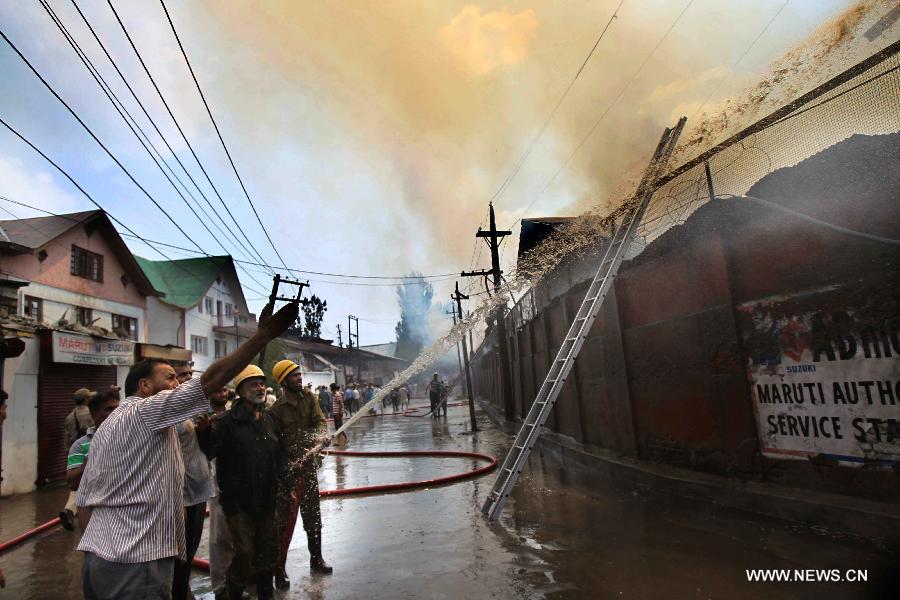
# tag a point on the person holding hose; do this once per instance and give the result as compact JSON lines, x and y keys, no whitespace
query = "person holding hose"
{"x":251,"y":466}
{"x":131,"y":493}
{"x":303,"y":424}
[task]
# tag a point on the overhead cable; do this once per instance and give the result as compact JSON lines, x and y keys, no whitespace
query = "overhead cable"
{"x":180,"y":130}
{"x":602,"y":116}
{"x":126,"y":115}
{"x":90,"y":198}
{"x":742,"y":56}
{"x":399,"y":279}
{"x":219,"y":133}
{"x":227,"y":231}
{"x":517,"y":167}
{"x":96,"y":139}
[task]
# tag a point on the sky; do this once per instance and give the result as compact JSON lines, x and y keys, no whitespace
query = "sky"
{"x":370,"y":135}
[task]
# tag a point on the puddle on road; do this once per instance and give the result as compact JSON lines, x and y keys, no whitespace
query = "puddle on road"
{"x":564,"y":534}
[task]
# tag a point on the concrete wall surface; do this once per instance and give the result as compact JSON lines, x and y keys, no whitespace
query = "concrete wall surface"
{"x":20,"y":440}
{"x":742,"y":298}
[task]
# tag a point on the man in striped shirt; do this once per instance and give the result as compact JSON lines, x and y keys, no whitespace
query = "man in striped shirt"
{"x":132,"y":489}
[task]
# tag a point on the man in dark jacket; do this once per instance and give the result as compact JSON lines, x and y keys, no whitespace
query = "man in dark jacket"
{"x":251,"y":465}
{"x":303,"y":425}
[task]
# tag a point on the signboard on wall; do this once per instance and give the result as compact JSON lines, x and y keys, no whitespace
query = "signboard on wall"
{"x":78,"y":349}
{"x":825,"y":379}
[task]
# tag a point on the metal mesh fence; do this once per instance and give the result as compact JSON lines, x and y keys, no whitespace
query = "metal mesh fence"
{"x":863,"y":100}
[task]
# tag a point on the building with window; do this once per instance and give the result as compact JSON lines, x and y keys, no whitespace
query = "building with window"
{"x":72,"y":290}
{"x":203,"y":307}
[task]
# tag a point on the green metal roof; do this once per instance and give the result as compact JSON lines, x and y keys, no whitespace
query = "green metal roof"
{"x":184,"y":282}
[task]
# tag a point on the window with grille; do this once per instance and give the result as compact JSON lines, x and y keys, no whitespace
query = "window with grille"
{"x":200,"y":345}
{"x":84,"y":316}
{"x":126,"y":325}
{"x":87,"y":264}
{"x":34,"y":308}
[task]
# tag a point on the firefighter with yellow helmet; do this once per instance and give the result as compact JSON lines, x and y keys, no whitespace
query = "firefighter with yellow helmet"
{"x":303,"y":425}
{"x":252,"y":471}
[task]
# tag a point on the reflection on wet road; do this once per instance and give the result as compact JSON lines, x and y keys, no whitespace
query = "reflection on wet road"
{"x":565,"y":534}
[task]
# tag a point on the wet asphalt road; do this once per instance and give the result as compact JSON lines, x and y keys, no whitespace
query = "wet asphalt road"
{"x":565,"y":534}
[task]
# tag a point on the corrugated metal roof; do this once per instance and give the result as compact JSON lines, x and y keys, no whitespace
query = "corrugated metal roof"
{"x":184,"y":282}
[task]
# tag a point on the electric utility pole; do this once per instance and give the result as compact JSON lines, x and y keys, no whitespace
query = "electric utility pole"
{"x":471,"y":343}
{"x":341,"y":346}
{"x":269,"y":308}
{"x":493,"y":236}
{"x":458,"y":297}
{"x":350,"y":336}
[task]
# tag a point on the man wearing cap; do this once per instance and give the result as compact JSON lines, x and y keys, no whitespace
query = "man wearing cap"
{"x":79,"y":420}
{"x":132,"y":492}
{"x":78,"y":423}
{"x":251,"y":467}
{"x":303,"y":425}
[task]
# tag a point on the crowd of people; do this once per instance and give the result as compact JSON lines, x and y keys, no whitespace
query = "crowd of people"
{"x":145,"y":469}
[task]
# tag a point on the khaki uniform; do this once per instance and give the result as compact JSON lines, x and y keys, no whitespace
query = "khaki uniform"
{"x":301,"y":420}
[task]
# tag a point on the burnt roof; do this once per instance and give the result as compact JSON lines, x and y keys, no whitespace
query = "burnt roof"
{"x":536,"y":229}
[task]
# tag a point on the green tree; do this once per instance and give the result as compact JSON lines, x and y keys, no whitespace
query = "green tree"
{"x":414,"y":297}
{"x":313,"y":314}
{"x":275,"y":351}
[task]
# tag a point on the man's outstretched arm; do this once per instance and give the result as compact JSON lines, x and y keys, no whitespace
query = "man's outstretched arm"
{"x":224,"y":370}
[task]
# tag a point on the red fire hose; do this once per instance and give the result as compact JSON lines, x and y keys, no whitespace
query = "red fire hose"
{"x":30,"y":533}
{"x":201,"y":563}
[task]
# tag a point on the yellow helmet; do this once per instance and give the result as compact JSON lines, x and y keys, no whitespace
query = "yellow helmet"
{"x":282,"y":369}
{"x":249,"y":372}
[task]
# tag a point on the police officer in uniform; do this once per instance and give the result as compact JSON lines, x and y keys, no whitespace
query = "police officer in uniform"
{"x":303,"y":425}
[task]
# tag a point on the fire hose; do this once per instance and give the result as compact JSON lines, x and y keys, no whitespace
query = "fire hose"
{"x":202,"y":563}
{"x":370,"y":489}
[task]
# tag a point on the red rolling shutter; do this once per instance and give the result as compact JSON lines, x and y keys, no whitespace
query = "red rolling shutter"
{"x":57,"y":383}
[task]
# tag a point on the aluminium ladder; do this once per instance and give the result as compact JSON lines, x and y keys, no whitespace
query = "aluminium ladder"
{"x":624,"y":230}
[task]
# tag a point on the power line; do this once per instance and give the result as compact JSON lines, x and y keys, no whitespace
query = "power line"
{"x":226,"y":231}
{"x":398,"y":280}
{"x":743,"y":56}
{"x":517,"y":167}
{"x":111,"y":96}
{"x":180,"y":130}
{"x":596,"y":124}
{"x":87,"y":195}
{"x":219,"y":133}
{"x":392,"y":284}
{"x":96,"y":139}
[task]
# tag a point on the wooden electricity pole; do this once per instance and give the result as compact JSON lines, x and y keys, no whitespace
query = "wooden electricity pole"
{"x":351,"y":320}
{"x":493,"y":237}
{"x":458,"y":297}
{"x":269,"y":308}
